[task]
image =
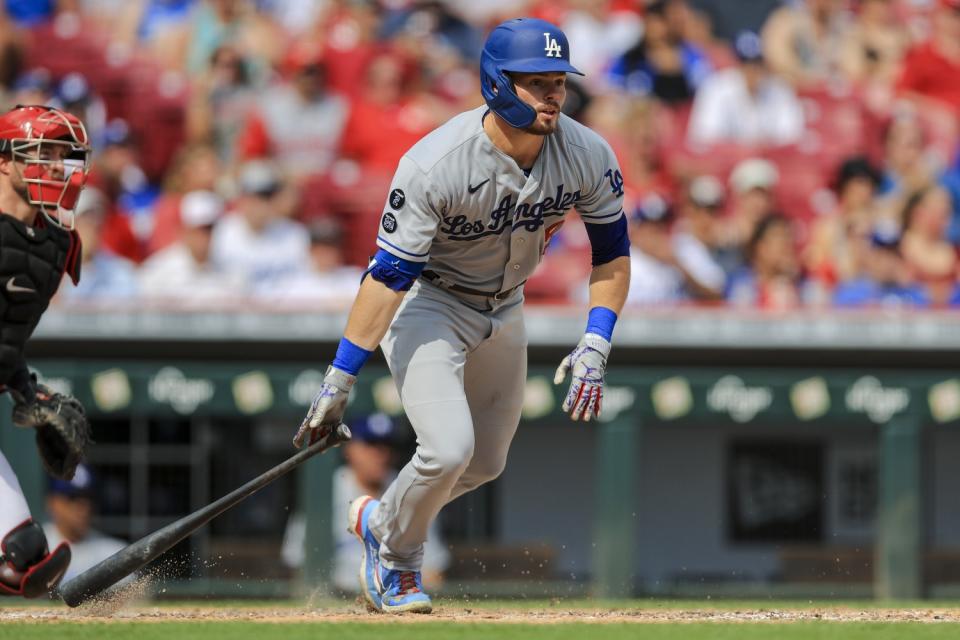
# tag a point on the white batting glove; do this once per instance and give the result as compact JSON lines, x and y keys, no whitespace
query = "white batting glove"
{"x":587,"y":364}
{"x":326,"y":412}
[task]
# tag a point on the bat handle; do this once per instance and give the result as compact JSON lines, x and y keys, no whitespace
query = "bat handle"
{"x":342,"y":434}
{"x":333,"y":439}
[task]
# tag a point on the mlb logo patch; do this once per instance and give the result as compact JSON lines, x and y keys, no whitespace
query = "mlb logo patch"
{"x":389,"y":222}
{"x":397,"y":198}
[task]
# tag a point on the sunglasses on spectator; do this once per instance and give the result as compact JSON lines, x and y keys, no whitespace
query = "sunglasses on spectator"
{"x":265,"y":194}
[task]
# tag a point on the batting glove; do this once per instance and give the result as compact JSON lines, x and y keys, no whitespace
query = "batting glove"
{"x":587,"y":364}
{"x":326,"y":412}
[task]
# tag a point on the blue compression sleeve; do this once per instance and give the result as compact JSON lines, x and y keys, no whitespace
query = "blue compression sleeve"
{"x":608,"y":241}
{"x":601,"y":322}
{"x":350,"y":357}
{"x":396,"y":273}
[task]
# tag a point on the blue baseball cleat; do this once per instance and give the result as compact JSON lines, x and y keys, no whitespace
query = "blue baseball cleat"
{"x":403,"y":592}
{"x":359,"y":524}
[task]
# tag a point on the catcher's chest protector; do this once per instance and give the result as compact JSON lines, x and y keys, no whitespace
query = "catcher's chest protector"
{"x":32,"y":263}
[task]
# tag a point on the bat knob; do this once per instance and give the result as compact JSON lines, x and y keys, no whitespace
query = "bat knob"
{"x":343,"y":433}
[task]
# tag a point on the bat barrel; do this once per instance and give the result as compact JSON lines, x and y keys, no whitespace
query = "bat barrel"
{"x":138,"y":554}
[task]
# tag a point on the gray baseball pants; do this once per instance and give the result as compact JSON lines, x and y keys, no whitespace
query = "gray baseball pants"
{"x":461,"y":374}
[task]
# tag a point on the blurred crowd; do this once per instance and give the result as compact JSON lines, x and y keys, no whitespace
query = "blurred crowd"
{"x":774,"y":154}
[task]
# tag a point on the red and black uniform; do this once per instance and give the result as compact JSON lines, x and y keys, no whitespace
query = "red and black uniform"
{"x":33,"y":260}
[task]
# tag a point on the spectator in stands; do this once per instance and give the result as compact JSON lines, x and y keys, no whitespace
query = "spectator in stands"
{"x":70,"y":506}
{"x":752,"y":182}
{"x":950,"y":181}
{"x":215,"y":23}
{"x":368,"y":471}
{"x":221,"y":103}
{"x":907,"y":167}
{"x":928,"y":255}
{"x":598,"y":31}
{"x":701,"y":34}
{"x":662,"y":63}
{"x":839,"y":239}
{"x":802,"y":41}
{"x":882,"y":278}
{"x":32,"y":87}
{"x":771,"y":278}
{"x":117,"y":171}
{"x":196,"y":167}
{"x":392,"y":100}
{"x":694,"y":239}
{"x":182,"y":274}
{"x":350,"y":33}
{"x":75,"y":95}
{"x":298,"y":122}
{"x":659,"y":273}
{"x":746,"y":104}
{"x":640,"y":148}
{"x":257,"y":240}
{"x":872,"y":51}
{"x":162,"y":27}
{"x":437,"y":23}
{"x":324,"y":279}
{"x":931,"y":69}
{"x":106,"y":276}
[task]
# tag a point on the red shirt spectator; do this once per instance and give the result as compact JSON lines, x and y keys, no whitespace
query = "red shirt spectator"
{"x":299,"y":121}
{"x":932,"y":68}
{"x":387,"y":105}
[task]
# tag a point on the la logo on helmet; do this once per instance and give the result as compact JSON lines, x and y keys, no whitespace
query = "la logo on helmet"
{"x":552,"y":47}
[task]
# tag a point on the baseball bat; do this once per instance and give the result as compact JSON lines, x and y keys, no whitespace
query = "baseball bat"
{"x":138,"y":554}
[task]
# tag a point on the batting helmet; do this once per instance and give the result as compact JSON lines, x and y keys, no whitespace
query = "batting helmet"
{"x":524,"y":45}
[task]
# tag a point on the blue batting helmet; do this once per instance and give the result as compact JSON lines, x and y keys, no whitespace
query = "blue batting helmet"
{"x":524,"y":45}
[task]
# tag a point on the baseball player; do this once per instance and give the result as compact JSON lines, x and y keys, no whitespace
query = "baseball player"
{"x":43,"y":167}
{"x":470,"y":211}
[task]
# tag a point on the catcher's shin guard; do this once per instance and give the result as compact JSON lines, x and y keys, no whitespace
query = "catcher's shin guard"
{"x":27,"y":567}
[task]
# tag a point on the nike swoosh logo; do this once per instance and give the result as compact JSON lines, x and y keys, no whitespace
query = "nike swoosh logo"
{"x":473,"y":189}
{"x":13,"y":287}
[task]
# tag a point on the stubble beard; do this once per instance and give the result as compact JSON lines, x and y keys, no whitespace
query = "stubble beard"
{"x":542,"y":129}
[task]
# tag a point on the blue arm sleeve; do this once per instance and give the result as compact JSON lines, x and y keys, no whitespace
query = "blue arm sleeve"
{"x":608,"y":241}
{"x":396,"y":273}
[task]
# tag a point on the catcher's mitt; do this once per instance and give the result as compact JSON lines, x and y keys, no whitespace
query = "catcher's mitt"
{"x":63,"y":431}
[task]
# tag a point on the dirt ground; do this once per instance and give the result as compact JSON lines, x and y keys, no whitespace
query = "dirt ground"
{"x":461,"y":612}
{"x":130,"y":603}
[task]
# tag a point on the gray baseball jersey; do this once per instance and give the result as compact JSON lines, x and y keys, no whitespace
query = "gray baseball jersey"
{"x":466,"y":208}
{"x":460,"y":361}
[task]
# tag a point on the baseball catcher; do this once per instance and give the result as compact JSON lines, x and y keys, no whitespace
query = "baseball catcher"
{"x":468,"y":217}
{"x":43,"y":166}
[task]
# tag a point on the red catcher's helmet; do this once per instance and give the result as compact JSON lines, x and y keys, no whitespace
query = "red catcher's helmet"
{"x":55,"y":151}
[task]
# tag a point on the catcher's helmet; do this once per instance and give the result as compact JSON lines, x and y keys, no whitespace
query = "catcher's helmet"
{"x":28,"y":134}
{"x":525,"y":45}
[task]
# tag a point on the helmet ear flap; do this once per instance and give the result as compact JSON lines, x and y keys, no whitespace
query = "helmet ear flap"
{"x":497,"y":90}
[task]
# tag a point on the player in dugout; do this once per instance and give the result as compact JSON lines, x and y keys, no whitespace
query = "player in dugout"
{"x":44,"y":155}
{"x":470,"y":212}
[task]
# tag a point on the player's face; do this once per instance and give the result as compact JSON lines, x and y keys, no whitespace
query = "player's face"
{"x":70,"y":515}
{"x":53,"y":154}
{"x":545,"y":92}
